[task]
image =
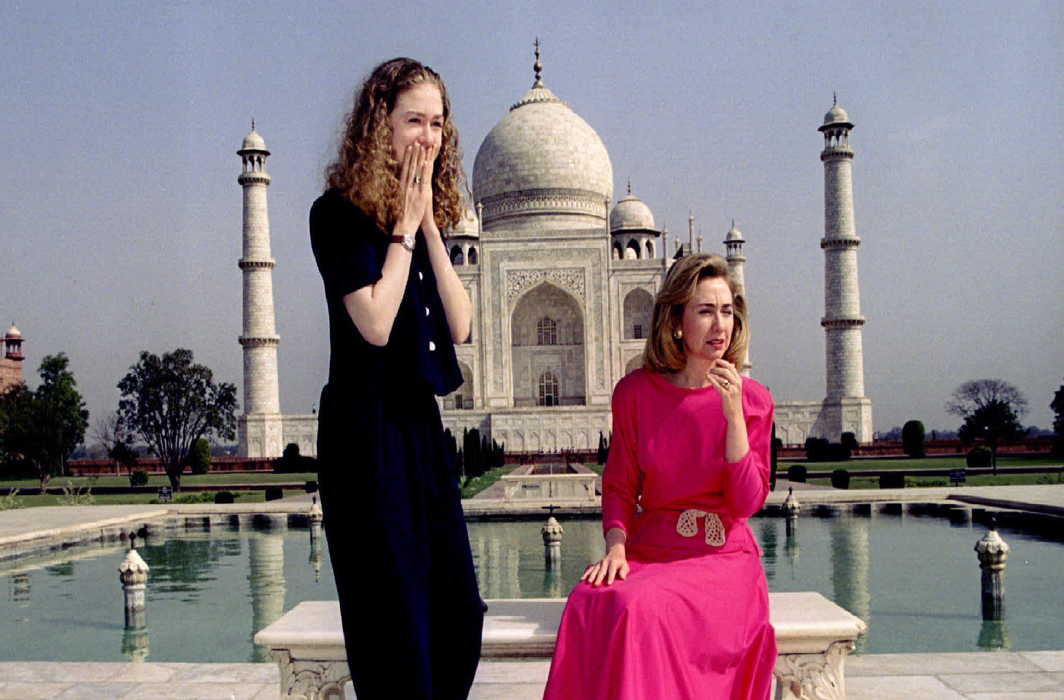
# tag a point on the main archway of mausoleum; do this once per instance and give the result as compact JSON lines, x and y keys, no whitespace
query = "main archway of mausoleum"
{"x":547,"y":349}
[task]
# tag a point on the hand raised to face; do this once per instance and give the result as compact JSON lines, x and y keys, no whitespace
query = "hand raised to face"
{"x":415,"y":181}
{"x":729,"y":383}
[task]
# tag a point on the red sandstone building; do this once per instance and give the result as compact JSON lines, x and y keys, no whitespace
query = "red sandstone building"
{"x":11,"y":362}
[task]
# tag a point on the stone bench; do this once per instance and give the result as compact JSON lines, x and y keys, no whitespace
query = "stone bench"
{"x":813,"y":636}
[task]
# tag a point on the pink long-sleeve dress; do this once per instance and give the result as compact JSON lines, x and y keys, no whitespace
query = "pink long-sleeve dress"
{"x":691,"y":620}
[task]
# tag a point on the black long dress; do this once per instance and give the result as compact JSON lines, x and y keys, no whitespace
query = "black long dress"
{"x":412,"y":614}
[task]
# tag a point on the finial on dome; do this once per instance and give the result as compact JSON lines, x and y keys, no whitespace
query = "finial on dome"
{"x":834,"y":97}
{"x":537,"y":67}
{"x":253,"y":123}
{"x":733,"y":223}
{"x":629,"y":184}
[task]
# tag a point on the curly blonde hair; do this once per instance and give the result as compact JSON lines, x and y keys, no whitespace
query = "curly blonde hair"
{"x":365,"y":169}
{"x":664,"y":353}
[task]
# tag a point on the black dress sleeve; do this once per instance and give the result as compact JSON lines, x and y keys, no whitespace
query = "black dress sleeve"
{"x":341,"y":238}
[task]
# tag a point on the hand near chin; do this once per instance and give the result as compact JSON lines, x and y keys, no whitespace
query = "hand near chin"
{"x":415,"y":181}
{"x":729,"y":383}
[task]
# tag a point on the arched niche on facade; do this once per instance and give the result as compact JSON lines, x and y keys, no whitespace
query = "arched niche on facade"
{"x":462,"y":397}
{"x":638,"y":309}
{"x":631,"y":252}
{"x":618,"y":252}
{"x":457,"y":258}
{"x":547,"y":335}
{"x":634,"y":363}
{"x":650,"y":249}
{"x":472,"y":257}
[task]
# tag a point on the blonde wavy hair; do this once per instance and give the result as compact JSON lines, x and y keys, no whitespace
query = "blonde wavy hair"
{"x":664,"y":352}
{"x":366,"y":170}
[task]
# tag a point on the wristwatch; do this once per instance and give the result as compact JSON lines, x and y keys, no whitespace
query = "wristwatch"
{"x":406,"y":241}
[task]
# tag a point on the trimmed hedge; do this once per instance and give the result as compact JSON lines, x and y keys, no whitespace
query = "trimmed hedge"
{"x":978,"y":458}
{"x":892,"y":480}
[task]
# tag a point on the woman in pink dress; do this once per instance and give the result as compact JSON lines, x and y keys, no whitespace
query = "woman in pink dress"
{"x":677,"y":609}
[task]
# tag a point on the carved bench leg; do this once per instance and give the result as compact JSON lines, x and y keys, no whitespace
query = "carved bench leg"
{"x":310,"y":680}
{"x":813,"y":676}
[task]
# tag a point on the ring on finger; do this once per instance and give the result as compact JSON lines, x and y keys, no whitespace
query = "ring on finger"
{"x":417,"y":179}
{"x":726,"y":383}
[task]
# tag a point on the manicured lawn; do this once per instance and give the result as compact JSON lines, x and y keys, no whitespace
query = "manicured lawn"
{"x":478,"y":484}
{"x":856,"y":465}
{"x":162,"y":480}
{"x":147,"y":498}
{"x":473,"y":486}
{"x":988,"y":480}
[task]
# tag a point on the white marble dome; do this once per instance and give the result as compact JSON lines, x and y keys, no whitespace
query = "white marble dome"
{"x":253,"y":142}
{"x":542,"y":157}
{"x":733,"y":234}
{"x":13,"y":333}
{"x":631,"y":214}
{"x":836,"y":115}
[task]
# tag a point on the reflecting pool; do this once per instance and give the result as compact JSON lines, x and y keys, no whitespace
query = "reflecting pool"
{"x":909,"y":571}
{"x":209,"y":592}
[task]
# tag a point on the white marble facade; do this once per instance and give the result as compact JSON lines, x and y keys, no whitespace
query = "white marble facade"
{"x":562,"y":286}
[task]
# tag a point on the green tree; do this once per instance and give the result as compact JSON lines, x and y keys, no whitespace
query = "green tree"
{"x":126,"y":457}
{"x":45,"y":426}
{"x":200,"y":458}
{"x":1057,"y":406}
{"x":171,"y":402}
{"x":913,"y":436}
{"x":474,"y":458}
{"x":603,"y":449}
{"x":991,"y":409}
{"x":981,"y":392}
{"x":994,"y":423}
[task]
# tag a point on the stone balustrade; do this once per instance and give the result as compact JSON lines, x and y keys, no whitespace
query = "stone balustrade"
{"x":813,"y":637}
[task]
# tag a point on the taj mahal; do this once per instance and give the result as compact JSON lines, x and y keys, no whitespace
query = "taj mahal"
{"x":562,"y":281}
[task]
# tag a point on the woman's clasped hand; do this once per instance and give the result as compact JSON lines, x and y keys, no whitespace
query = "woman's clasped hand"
{"x":416,"y":182}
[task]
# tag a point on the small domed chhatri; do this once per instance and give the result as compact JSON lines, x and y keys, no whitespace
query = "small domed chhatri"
{"x":542,"y":159}
{"x":467,"y":226}
{"x":631,"y":213}
{"x":253,"y":141}
{"x":13,"y":333}
{"x":464,"y":240}
{"x":733,"y":234}
{"x":836,"y":116}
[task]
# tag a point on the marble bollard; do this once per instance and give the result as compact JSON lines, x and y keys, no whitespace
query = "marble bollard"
{"x":133,"y":574}
{"x":552,"y":542}
{"x":316,"y":518}
{"x":791,"y":506}
{"x":993,"y":554}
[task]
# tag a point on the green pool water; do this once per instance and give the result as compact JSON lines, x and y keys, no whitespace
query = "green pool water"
{"x":913,"y":576}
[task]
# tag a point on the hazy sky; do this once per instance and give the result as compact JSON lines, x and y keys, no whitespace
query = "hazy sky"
{"x":120,"y":214}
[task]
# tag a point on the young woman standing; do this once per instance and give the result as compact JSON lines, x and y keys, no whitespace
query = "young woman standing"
{"x":412,"y":614}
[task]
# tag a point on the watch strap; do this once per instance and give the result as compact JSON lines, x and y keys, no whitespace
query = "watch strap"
{"x":405,"y":241}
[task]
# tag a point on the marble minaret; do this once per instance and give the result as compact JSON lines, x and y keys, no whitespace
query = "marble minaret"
{"x":260,"y":428}
{"x":846,"y":409}
{"x":733,"y":253}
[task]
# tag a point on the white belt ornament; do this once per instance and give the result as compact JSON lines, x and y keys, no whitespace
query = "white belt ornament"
{"x":687,"y":525}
